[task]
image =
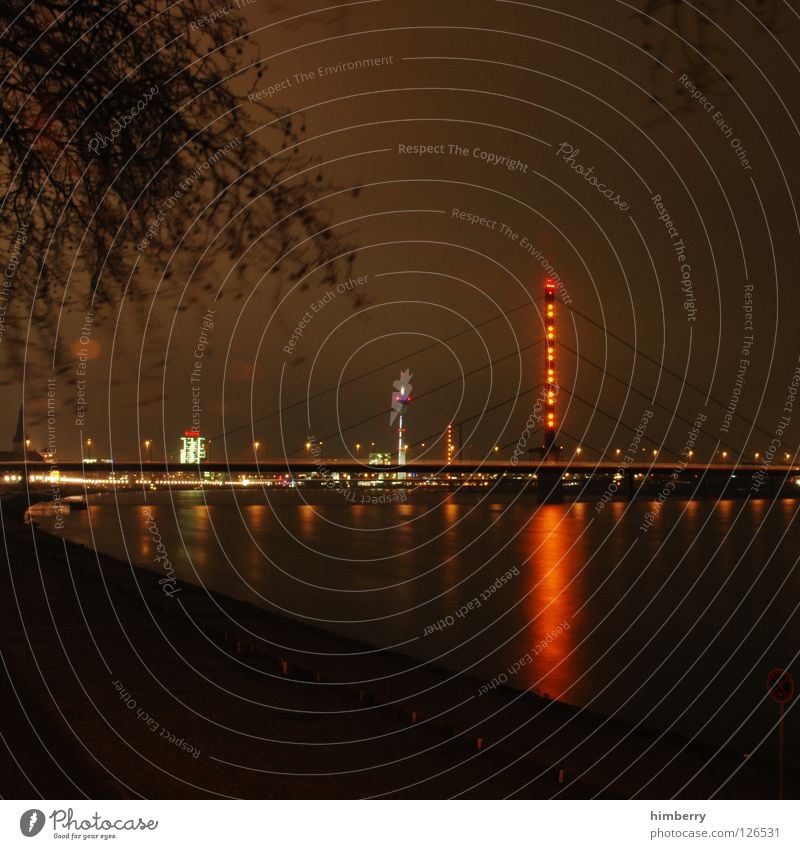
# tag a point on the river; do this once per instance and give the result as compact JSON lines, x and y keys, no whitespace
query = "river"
{"x":676,"y":626}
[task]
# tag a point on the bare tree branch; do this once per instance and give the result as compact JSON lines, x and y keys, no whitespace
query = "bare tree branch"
{"x":679,"y":32}
{"x":108,"y":110}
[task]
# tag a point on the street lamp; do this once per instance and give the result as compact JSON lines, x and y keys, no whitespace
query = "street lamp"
{"x":358,"y":448}
{"x":148,"y":446}
{"x":578,"y":451}
{"x":496,"y":448}
{"x":308,"y":447}
{"x":724,"y":455}
{"x":256,"y":446}
{"x":757,"y":455}
{"x":618,"y":452}
{"x":89,"y":448}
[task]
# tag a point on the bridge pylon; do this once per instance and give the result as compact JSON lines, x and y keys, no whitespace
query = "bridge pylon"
{"x":549,"y":447}
{"x":549,"y":480}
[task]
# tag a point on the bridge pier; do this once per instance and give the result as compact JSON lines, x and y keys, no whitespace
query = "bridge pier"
{"x":550,"y":488}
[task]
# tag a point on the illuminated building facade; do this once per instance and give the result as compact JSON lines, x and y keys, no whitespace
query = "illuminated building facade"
{"x":193,"y":447}
{"x":380,"y":458}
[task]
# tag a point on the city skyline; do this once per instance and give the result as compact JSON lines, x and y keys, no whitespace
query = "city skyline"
{"x":400,"y":401}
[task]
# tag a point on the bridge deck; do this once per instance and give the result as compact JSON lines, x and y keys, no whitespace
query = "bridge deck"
{"x":460,"y":466}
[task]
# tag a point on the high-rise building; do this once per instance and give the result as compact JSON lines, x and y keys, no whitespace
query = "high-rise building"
{"x":193,"y":447}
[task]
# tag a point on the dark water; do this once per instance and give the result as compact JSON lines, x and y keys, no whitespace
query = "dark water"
{"x":677,"y":627}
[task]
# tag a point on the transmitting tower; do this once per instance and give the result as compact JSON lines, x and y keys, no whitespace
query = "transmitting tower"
{"x":400,"y":400}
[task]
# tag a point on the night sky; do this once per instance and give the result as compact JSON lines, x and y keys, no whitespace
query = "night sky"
{"x":501,"y":94}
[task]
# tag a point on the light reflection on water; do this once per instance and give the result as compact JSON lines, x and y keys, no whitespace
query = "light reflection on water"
{"x":699,"y":607}
{"x":555,"y":555}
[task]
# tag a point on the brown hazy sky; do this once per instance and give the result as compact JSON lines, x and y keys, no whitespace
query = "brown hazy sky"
{"x":508,"y":80}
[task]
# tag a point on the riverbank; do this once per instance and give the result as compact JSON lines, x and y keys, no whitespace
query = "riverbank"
{"x":190,"y":694}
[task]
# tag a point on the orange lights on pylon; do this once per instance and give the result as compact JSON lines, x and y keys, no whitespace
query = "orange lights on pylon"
{"x":451,"y":447}
{"x":551,"y":386}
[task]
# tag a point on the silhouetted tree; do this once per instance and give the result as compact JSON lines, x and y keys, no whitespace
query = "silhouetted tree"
{"x":107,"y":109}
{"x":677,"y":31}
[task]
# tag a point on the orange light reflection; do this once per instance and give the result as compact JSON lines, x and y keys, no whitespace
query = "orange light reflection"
{"x":554,"y":597}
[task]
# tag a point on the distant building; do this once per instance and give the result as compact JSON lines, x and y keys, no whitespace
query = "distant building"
{"x":19,"y":434}
{"x":193,"y":447}
{"x":382,"y":458}
{"x":19,"y":456}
